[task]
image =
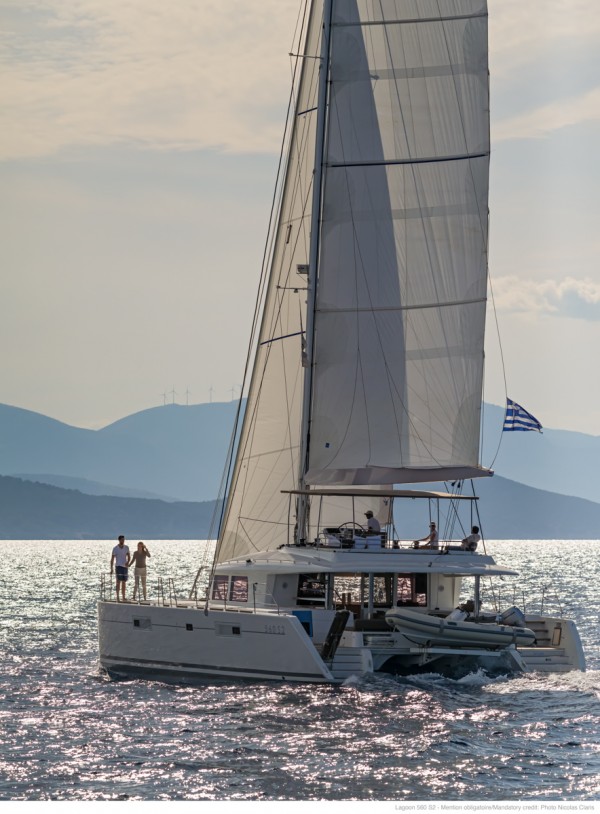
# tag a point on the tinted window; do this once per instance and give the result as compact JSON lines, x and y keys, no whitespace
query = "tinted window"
{"x":219,"y":590}
{"x":239,"y":589}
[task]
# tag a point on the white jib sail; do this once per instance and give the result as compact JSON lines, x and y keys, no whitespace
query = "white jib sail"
{"x":258,"y":513}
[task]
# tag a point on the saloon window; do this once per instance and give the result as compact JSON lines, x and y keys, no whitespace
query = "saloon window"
{"x":219,"y":590}
{"x":311,"y":586}
{"x":412,"y":589}
{"x":239,"y":589}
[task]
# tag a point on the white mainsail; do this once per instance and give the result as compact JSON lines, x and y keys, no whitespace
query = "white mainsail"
{"x":399,"y":323}
{"x":397,"y":355}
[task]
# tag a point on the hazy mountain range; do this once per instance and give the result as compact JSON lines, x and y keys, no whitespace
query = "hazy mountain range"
{"x":37,"y":511}
{"x":172,"y":452}
{"x":159,"y":470}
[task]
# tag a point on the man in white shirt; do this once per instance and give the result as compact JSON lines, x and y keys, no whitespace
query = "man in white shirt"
{"x":470,"y":542}
{"x":373,"y":525}
{"x":120,"y":559}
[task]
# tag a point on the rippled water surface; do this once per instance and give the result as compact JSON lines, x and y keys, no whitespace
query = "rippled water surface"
{"x":68,"y":733}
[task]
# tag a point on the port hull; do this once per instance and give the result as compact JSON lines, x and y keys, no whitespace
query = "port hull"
{"x":186,"y":642}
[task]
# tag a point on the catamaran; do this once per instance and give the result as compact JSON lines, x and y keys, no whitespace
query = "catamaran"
{"x":366,"y":381}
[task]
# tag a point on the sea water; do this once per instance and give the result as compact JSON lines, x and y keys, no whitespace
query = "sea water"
{"x":68,"y":733}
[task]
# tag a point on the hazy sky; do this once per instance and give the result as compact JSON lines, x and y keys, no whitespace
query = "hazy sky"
{"x":138,"y":149}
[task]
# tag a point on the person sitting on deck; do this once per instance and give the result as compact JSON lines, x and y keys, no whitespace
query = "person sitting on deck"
{"x":470,"y":542}
{"x":432,"y":540}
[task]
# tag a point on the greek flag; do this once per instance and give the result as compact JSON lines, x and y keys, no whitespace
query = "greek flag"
{"x":517,"y":418}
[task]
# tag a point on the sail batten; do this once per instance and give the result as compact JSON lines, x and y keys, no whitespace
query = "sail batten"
{"x":409,"y":20}
{"x":425,"y":160}
{"x":449,"y":304}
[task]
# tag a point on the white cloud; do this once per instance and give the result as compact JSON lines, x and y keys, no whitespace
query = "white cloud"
{"x":173,"y":76}
{"x":579,"y":299}
{"x":192,"y":74}
{"x":544,"y":120}
{"x":521,"y":31}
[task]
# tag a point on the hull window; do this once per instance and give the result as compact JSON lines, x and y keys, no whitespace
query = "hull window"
{"x":143,"y":624}
{"x":239,"y":589}
{"x":227,"y":630}
{"x":219,"y":590}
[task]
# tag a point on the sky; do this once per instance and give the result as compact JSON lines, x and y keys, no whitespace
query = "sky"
{"x":139,"y":143}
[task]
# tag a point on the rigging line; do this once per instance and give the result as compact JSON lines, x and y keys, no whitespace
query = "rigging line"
{"x":303,"y":16}
{"x":478,"y":518}
{"x":225,"y":507}
{"x":217,"y":511}
{"x":280,"y":187}
{"x":250,"y":519}
{"x":298,"y":149}
{"x":453,"y":512}
{"x":501,"y":360}
{"x":279,"y":338}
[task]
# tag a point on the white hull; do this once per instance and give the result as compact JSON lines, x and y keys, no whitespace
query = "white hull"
{"x":423,"y":628}
{"x":186,"y":644}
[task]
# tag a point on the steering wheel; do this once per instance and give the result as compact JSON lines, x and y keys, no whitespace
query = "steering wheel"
{"x":352,"y":524}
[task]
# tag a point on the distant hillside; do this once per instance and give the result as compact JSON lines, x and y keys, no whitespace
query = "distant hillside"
{"x":38,"y":511}
{"x":90,"y":487}
{"x":175,"y":450}
{"x":179,"y":452}
{"x":31,"y":511}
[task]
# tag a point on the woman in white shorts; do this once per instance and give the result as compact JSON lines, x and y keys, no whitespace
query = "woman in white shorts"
{"x":139,"y":561}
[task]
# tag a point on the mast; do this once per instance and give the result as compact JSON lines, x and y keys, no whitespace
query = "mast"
{"x":313,"y":261}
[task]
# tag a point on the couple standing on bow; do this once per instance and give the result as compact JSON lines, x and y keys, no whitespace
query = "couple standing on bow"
{"x":121,"y":560}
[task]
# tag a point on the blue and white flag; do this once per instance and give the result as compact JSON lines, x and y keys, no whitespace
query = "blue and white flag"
{"x":517,"y":418}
